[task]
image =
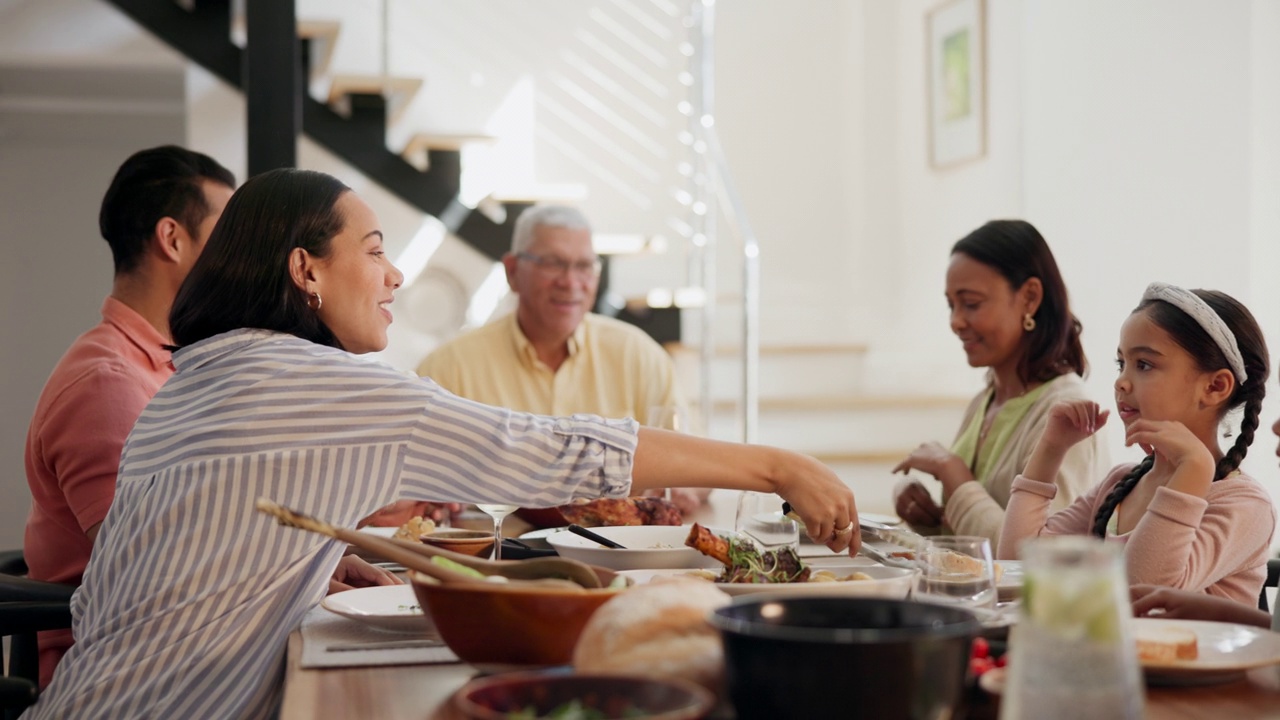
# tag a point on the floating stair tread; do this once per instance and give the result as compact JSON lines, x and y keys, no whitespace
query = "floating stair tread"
{"x":853,"y":402}
{"x":442,"y":141}
{"x":323,"y":34}
{"x":373,"y":85}
{"x":319,"y":29}
{"x":532,"y":194}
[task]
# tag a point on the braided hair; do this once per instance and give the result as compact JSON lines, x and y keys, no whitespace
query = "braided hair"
{"x":1188,"y":334}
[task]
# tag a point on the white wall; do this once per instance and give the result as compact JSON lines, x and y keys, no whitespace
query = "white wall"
{"x":1138,"y":135}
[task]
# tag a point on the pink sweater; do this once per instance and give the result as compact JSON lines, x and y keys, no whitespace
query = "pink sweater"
{"x":1218,"y":544}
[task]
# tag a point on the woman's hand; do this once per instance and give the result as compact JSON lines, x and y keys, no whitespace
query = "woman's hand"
{"x":352,"y":573}
{"x":401,"y":511}
{"x":1167,"y":602}
{"x":825,"y":504}
{"x":1072,"y":421}
{"x":938,"y":461}
{"x":914,"y":504}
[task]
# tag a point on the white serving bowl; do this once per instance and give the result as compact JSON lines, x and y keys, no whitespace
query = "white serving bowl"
{"x":885,"y":582}
{"x":647,"y":546}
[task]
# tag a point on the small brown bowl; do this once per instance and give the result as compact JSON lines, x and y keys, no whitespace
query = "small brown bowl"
{"x":614,"y":696}
{"x":468,"y":542}
{"x":510,"y":624}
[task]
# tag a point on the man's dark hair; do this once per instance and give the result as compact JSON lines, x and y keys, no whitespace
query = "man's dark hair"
{"x":153,"y":184}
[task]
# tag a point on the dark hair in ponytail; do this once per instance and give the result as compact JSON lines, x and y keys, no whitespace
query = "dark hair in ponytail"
{"x":1209,"y":357}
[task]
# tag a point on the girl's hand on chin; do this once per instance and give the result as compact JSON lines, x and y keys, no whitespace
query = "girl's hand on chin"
{"x":1170,"y":440}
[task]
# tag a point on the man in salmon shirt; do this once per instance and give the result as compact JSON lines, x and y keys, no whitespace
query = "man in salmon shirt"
{"x":156,"y":216}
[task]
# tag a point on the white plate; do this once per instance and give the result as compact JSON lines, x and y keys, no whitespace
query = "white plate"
{"x":538,"y":538}
{"x":647,"y":546}
{"x":885,"y":582}
{"x":386,"y":607}
{"x":382,"y":532}
{"x":1225,"y":651}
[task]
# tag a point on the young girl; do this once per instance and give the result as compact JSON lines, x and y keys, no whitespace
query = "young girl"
{"x":1189,"y":518}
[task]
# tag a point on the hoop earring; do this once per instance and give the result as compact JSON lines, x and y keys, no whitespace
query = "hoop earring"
{"x":314,"y":302}
{"x":1028,"y":322}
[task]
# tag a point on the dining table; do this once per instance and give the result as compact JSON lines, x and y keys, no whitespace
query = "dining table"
{"x":425,"y":692}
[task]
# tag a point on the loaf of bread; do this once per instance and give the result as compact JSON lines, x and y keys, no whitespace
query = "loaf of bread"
{"x":657,"y":630}
{"x":1164,"y":644}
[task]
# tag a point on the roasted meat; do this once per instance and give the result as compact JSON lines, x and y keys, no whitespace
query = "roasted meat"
{"x":623,"y":511}
{"x":743,"y":563}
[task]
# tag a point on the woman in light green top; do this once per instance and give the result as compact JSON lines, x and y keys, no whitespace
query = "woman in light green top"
{"x":1009,"y":308}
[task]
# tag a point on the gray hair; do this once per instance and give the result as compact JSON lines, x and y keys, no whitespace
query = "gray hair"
{"x":557,"y":216}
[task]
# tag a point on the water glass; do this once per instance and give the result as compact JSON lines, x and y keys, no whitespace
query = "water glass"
{"x":956,"y":570}
{"x":759,"y":517}
{"x":1072,"y":654}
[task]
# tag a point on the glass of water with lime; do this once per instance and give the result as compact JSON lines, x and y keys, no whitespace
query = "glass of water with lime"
{"x":1072,"y":654}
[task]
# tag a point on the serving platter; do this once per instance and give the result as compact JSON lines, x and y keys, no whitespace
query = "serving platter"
{"x":885,"y":582}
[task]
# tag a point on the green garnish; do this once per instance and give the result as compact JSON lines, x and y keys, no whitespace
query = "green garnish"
{"x":747,"y":564}
{"x":456,"y":566}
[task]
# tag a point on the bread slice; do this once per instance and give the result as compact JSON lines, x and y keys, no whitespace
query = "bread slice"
{"x":1165,"y":644}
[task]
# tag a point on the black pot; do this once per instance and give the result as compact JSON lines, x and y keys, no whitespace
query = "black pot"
{"x":835,"y":657}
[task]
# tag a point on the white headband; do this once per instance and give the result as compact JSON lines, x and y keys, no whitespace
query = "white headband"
{"x":1191,"y":304}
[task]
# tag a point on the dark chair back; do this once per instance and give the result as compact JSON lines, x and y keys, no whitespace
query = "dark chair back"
{"x":27,"y":607}
{"x":1273,"y":580}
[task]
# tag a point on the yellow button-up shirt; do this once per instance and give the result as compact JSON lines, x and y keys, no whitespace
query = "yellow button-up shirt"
{"x":613,"y":369}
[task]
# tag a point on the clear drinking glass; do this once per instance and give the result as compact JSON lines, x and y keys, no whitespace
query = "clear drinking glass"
{"x":956,"y":570}
{"x":1072,"y":654}
{"x":498,"y":513}
{"x":760,"y":518}
{"x":668,"y":417}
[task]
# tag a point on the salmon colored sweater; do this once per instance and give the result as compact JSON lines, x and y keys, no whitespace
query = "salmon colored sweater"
{"x":1217,"y":544}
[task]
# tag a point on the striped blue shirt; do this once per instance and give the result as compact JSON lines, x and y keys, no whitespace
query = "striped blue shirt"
{"x":190,"y":595}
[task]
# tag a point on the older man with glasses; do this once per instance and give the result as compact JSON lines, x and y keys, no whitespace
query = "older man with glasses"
{"x":553,"y":356}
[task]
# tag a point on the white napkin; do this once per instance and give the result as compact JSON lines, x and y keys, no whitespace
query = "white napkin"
{"x":322,"y":630}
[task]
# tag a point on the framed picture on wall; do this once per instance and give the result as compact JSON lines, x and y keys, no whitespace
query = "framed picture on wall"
{"x":956,"y":38}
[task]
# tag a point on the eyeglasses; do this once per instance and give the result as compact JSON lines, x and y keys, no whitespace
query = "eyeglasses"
{"x":553,"y":266}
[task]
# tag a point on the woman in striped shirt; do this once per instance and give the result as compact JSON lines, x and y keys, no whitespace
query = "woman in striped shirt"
{"x":190,"y":596}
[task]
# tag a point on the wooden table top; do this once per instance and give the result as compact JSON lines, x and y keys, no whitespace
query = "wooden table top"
{"x":424,"y":692}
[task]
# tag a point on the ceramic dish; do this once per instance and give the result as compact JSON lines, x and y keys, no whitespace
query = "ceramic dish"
{"x":885,"y":582}
{"x":394,"y":608}
{"x":1225,"y":651}
{"x":647,"y":547}
{"x":538,"y":538}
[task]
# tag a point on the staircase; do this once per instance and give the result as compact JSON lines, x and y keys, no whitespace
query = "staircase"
{"x":350,"y":122}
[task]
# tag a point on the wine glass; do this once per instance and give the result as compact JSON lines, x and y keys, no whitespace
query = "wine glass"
{"x":956,"y":570}
{"x":498,"y":513}
{"x":668,"y":417}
